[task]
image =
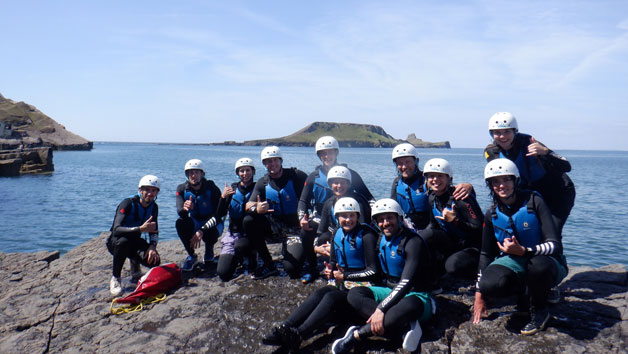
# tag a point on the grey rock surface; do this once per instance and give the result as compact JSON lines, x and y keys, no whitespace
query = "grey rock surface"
{"x":52,"y":303}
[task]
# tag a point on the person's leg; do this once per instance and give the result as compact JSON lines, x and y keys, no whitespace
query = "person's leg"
{"x":185,"y":230}
{"x":499,"y":281}
{"x":329,"y":304}
{"x":464,"y":263}
{"x":293,"y":256}
{"x":210,"y":237}
{"x":121,"y":251}
{"x":363,"y":301}
{"x":256,"y":228}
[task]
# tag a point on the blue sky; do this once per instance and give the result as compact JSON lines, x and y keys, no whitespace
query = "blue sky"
{"x":209,"y":71}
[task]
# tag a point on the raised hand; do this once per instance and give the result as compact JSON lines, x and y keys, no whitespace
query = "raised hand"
{"x":227,"y":191}
{"x":263,"y":207}
{"x":536,"y":149}
{"x":189,"y":204}
{"x":449,"y":215}
{"x":305,"y":223}
{"x":149,"y":226}
{"x":512,"y":246}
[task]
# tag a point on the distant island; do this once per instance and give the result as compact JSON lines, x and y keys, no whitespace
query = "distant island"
{"x":347,"y":134}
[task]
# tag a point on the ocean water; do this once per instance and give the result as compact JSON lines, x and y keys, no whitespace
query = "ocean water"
{"x":77,"y":202}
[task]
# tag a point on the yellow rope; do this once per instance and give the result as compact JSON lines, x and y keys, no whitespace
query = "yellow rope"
{"x":138,"y":307}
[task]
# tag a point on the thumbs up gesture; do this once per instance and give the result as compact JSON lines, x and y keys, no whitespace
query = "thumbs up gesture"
{"x":189,"y":204}
{"x":149,"y":226}
{"x":536,"y":149}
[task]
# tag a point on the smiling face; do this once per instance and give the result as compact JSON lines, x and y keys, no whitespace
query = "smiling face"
{"x":246,"y":174}
{"x":347,"y":220}
{"x":339,"y":186}
{"x":328,"y":157}
{"x":273,"y":165}
{"x":148,"y":194}
{"x":504,"y":188}
{"x":438,"y":182}
{"x":388,"y":223}
{"x":194,"y":176}
{"x":504,"y":137}
{"x":406,"y":166}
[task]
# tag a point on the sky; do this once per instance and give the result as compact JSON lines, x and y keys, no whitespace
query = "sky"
{"x":209,"y":71}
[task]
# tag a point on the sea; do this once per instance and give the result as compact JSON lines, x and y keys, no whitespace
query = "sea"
{"x":78,"y":200}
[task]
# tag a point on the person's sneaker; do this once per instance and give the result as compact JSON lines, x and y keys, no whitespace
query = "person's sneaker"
{"x":273,"y":337}
{"x":264,"y":272}
{"x":189,"y":263}
{"x":114,"y":286}
{"x":307,"y":278}
{"x":554,"y":296}
{"x":346,"y":343}
{"x":538,"y":320}
{"x":136,"y":271}
{"x":412,"y":339}
{"x":290,"y":338}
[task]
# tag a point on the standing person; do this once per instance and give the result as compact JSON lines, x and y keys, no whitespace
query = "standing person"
{"x":315,"y":192}
{"x":135,"y":215}
{"x":272,"y":209}
{"x":353,"y":263}
{"x":520,"y":247}
{"x":409,"y":189}
{"x":455,"y":229}
{"x":405,"y":300}
{"x":233,"y":201}
{"x":197,"y":204}
{"x":541,"y":169}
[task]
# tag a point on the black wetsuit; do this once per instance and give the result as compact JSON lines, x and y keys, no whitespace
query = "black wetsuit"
{"x":126,"y":239}
{"x":258,"y":227}
{"x":455,"y":245}
{"x":555,"y":186}
{"x":187,"y":225}
{"x":329,"y":303}
{"x":538,"y":271}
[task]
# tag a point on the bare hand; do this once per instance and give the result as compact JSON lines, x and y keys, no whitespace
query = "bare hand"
{"x":512,"y":246}
{"x":305,"y":223}
{"x":195,"y":242}
{"x":479,"y":308}
{"x":328,"y":271}
{"x":263,"y":207}
{"x":149,"y":226}
{"x":462,"y":190}
{"x":339,"y":274}
{"x":323,"y":250}
{"x":377,"y":322}
{"x":536,"y":148}
{"x":227,"y":191}
{"x":449,"y":215}
{"x":189,"y":204}
{"x":152,"y":255}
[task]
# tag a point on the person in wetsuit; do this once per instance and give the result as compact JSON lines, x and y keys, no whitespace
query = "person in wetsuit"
{"x":315,"y":192}
{"x":272,"y":210}
{"x":135,"y":215}
{"x":540,"y":168}
{"x":197,"y":206}
{"x":393,"y":310}
{"x":521,"y":248}
{"x":233,"y":201}
{"x":353,"y":263}
{"x":455,"y":229}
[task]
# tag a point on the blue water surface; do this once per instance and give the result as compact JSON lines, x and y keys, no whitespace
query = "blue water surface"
{"x":77,"y":202}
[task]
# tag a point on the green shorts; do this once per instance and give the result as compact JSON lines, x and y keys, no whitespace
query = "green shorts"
{"x":517,"y":264}
{"x":429,"y":305}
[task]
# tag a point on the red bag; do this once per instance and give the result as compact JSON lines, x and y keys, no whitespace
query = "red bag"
{"x":158,"y":280}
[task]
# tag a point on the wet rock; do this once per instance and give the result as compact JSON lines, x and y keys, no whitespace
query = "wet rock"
{"x":61,"y":304}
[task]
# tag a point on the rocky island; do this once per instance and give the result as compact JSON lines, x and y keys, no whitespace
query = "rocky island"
{"x":51,"y":303}
{"x":347,"y":134}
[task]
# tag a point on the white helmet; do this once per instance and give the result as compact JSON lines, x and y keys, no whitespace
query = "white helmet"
{"x":439,"y":166}
{"x":339,"y":172}
{"x":194,"y":164}
{"x":503,"y":120}
{"x":271,"y":151}
{"x":149,"y":181}
{"x":346,"y":205}
{"x":500,"y":167}
{"x":386,"y":205}
{"x":405,"y":149}
{"x":245,"y":161}
{"x":326,"y":143}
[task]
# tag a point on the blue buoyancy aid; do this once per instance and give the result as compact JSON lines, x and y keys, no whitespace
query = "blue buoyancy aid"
{"x":349,"y":248}
{"x":530,"y":168}
{"x":203,"y":207}
{"x":320,"y":189}
{"x":238,"y":203}
{"x":449,"y":228}
{"x":284,"y":201}
{"x":412,"y":198}
{"x":391,"y":255}
{"x":138,"y":214}
{"x":523,"y":224}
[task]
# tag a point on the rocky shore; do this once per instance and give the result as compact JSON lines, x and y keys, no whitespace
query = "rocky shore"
{"x":51,"y":303}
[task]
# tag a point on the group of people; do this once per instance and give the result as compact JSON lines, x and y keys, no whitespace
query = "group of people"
{"x":383,"y":259}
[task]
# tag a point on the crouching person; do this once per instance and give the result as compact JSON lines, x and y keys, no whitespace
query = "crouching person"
{"x":135,"y":216}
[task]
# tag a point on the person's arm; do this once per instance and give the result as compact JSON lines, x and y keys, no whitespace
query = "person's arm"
{"x":369,"y":273}
{"x":258,"y":192}
{"x":416,"y":256}
{"x":154,"y":236}
{"x":215,"y":200}
{"x":468,"y":215}
{"x":306,"y":196}
{"x":393,"y":191}
{"x":180,"y":201}
{"x":489,"y":246}
{"x":121,"y":213}
{"x":225,"y":200}
{"x":550,"y":241}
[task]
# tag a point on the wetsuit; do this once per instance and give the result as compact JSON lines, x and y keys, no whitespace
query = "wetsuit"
{"x":282,"y":195}
{"x":356,"y":253}
{"x":540,"y":268}
{"x":126,"y":239}
{"x":545,"y":174}
{"x":411,"y":194}
{"x":405,"y":264}
{"x":203,"y":217}
{"x":456,"y":244}
{"x":234,"y":205}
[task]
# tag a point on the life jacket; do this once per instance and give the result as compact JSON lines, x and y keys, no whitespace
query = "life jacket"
{"x":203,"y":207}
{"x":523,"y":224}
{"x":138,"y":214}
{"x":530,"y":168}
{"x":321,"y":189}
{"x":449,"y":228}
{"x":238,"y":203}
{"x":391,"y":255}
{"x":284,"y":201}
{"x":349,"y":247}
{"x":412,"y":198}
